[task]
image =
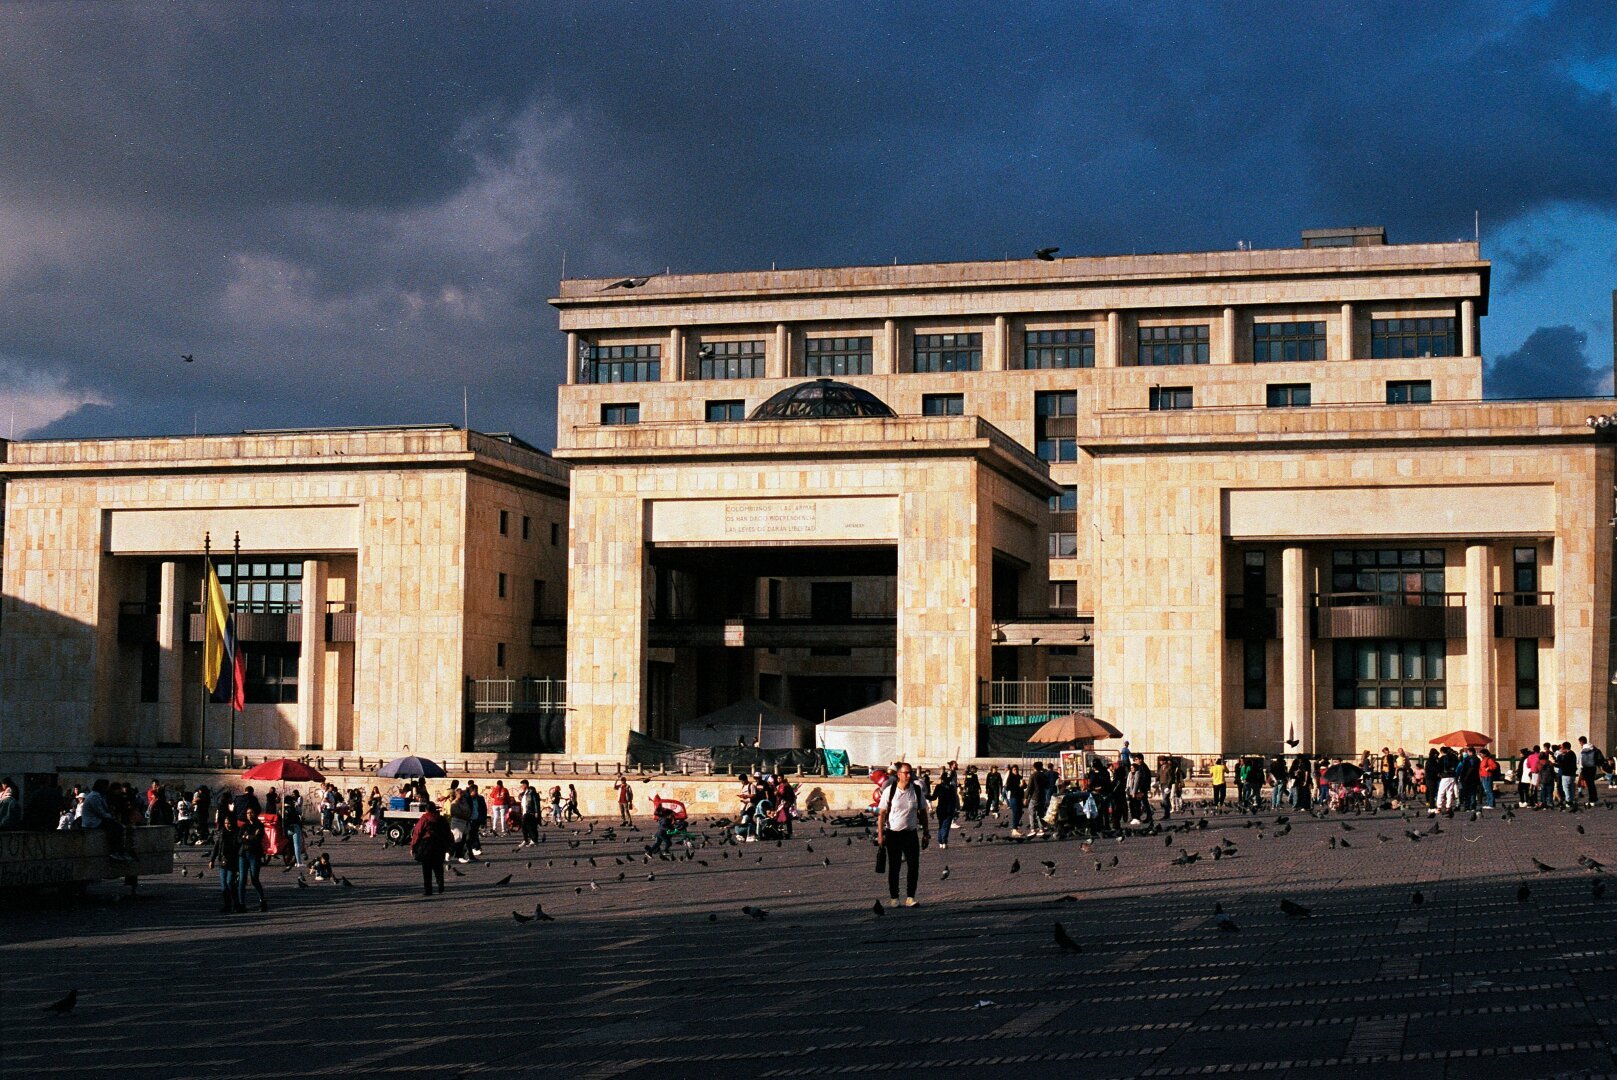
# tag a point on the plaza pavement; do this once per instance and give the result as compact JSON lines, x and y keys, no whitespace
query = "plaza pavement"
{"x":668,"y":978}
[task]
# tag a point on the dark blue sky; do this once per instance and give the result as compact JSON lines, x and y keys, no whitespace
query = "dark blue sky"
{"x":347,"y":212}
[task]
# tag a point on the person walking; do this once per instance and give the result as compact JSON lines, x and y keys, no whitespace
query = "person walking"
{"x":249,"y":859}
{"x":528,"y":807}
{"x":946,"y":793}
{"x":1039,"y":795}
{"x":901,"y":831}
{"x":972,"y":795}
{"x":292,"y":828}
{"x":476,"y":815}
{"x":993,"y":786}
{"x":429,"y":846}
{"x":570,"y":811}
{"x":498,"y":798}
{"x":226,"y":856}
{"x":1014,"y":792}
{"x":460,"y":813}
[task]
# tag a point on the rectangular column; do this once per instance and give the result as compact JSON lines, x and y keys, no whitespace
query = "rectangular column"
{"x":170,"y":655}
{"x":780,"y":361}
{"x":1296,"y":651}
{"x":609,"y":584}
{"x":1481,"y":706}
{"x":312,"y":657}
{"x":1112,"y":354}
{"x":673,"y":366}
{"x":1226,"y":338}
{"x":885,"y":360}
{"x":999,"y":357}
{"x":571,"y":375}
{"x":1468,"y":328}
{"x":1344,"y":347}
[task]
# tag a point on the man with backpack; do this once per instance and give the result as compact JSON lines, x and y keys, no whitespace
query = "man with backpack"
{"x":1590,"y":762}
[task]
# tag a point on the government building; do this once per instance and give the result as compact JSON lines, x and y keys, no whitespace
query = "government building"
{"x":1225,"y":500}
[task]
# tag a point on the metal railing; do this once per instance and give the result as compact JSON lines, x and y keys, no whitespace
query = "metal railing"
{"x":1523,"y":599}
{"x":1411,"y":598}
{"x":1028,"y":701}
{"x":517,"y":695}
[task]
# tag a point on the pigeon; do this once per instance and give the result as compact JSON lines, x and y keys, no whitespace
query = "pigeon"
{"x":1097,"y":865}
{"x":1016,"y":866}
{"x":945,"y":875}
{"x":1508,"y":815}
{"x":1068,"y":899}
{"x":1580,"y":830}
{"x":1413,"y":834}
{"x":1345,"y":844}
{"x":1065,"y":942}
{"x":1346,"y":827}
{"x":1594,"y":866}
{"x":1418,"y":899}
{"x":626,"y":283}
{"x":1222,"y":920}
{"x":346,"y":883}
{"x":456,"y":872}
{"x":1294,"y":909}
{"x":756,"y":912}
{"x":521,"y":918}
{"x":65,"y":1006}
{"x":539,"y":913}
{"x":189,"y":358}
{"x":1542,"y":867}
{"x":712,"y":916}
{"x":876,"y":909}
{"x":809,"y":848}
{"x":302,"y":884}
{"x":1186,"y":858}
{"x":1522,"y":893}
{"x":1167,"y":841}
{"x":1044,"y":254}
{"x":1114,"y":860}
{"x":506,"y":880}
{"x":345,"y":837}
{"x":594,"y":887}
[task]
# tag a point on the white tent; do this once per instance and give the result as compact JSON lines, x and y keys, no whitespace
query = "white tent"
{"x":739,"y":721}
{"x":869,"y":735}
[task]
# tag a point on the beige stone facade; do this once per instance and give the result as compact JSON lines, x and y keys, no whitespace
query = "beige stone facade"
{"x":1179,"y":476}
{"x":394,"y":540}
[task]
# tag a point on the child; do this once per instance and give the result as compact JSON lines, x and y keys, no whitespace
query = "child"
{"x":321,"y":869}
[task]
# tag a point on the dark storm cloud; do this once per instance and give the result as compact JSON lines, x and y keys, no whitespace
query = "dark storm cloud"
{"x":1551,"y":363}
{"x":1527,"y":263}
{"x":352,"y":210}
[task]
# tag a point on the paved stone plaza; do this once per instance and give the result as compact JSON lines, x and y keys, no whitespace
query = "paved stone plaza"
{"x":667,"y":977}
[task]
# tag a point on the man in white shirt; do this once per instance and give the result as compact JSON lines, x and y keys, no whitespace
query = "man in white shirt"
{"x":901,"y":830}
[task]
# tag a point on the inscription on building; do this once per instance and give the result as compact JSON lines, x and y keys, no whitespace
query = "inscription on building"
{"x":770,"y":519}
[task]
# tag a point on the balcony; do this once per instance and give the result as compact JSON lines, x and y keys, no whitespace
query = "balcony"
{"x":777,"y":632}
{"x":1252,"y":618}
{"x":516,"y":695}
{"x":1033,"y":701}
{"x":1413,"y":615}
{"x":1524,"y":614}
{"x":1057,"y":627}
{"x":280,"y":623}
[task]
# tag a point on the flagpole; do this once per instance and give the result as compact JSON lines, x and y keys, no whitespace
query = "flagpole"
{"x":235,"y":593}
{"x":202,"y":733}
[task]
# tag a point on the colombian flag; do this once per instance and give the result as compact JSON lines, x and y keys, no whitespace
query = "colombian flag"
{"x":219,"y":648}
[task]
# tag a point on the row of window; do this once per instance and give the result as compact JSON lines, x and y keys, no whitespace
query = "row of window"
{"x":1055,"y":411}
{"x":1387,"y":674}
{"x":527,"y":522}
{"x":1155,"y":346}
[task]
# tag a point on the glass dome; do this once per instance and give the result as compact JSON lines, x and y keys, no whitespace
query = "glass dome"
{"x":822,"y":399}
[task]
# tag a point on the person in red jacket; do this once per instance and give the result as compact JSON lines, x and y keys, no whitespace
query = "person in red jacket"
{"x":429,"y":843}
{"x":1487,"y":773}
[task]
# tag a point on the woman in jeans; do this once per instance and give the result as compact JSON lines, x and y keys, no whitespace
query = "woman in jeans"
{"x":901,"y":830}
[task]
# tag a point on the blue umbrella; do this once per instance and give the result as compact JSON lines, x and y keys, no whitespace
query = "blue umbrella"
{"x":411,"y":766}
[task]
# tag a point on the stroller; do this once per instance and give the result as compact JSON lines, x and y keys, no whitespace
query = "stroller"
{"x":679,"y":832}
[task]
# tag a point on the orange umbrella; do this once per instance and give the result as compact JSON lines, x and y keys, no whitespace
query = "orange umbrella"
{"x":1462,"y":738}
{"x":1074,"y":727}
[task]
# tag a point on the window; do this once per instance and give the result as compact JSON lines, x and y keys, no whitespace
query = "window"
{"x":837,"y":356}
{"x":527,"y":526}
{"x":831,"y":601}
{"x":499,"y":654}
{"x":1526,"y":673}
{"x":622,"y":363}
{"x":1411,"y":337}
{"x":1254,"y":673}
{"x":263,"y":588}
{"x":1289,"y":395}
{"x":1160,"y":346}
{"x":722,"y":412}
{"x":1164,"y":398}
{"x":538,"y":599}
{"x":943,"y":404}
{"x":1063,"y":598}
{"x":620,"y":414}
{"x":272,"y":674}
{"x":730,"y":360}
{"x":1064,"y":523}
{"x":1390,"y":675}
{"x":501,"y":586}
{"x":1055,"y":425}
{"x":505,"y":522}
{"x":1410,"y":577}
{"x":1275,"y":342}
{"x":1058,"y":349}
{"x":947,"y":352}
{"x":555,"y":534}
{"x":1524,"y":576}
{"x":1409,"y":392}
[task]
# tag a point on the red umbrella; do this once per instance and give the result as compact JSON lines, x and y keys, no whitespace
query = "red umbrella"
{"x":284,"y":770}
{"x":1462,"y":738}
